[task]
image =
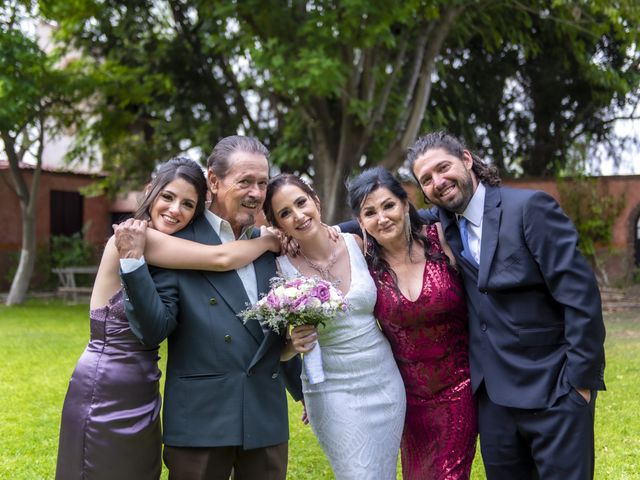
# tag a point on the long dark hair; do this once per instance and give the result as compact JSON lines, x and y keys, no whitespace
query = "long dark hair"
{"x":359,"y":189}
{"x":485,"y":173}
{"x":178,"y":167}
{"x":275,"y":184}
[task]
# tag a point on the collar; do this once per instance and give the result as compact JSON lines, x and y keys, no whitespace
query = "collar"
{"x":473,"y":212}
{"x":219,"y":224}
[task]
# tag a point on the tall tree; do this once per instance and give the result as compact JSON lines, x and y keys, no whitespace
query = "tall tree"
{"x":332,"y":86}
{"x":33,"y":102}
{"x":354,"y":76}
{"x":553,"y":81}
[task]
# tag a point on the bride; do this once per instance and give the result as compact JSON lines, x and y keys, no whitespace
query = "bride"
{"x":357,"y":412}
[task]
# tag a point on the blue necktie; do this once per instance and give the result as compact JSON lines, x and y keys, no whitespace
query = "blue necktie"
{"x":464,"y":234}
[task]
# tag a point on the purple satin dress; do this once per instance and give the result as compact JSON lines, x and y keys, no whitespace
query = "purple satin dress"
{"x":430,"y":340}
{"x":110,"y":424}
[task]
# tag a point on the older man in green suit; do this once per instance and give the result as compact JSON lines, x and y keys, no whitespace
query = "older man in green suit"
{"x":225,"y":403}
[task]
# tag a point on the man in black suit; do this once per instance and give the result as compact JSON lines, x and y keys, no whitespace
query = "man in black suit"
{"x":225,"y":403}
{"x":535,"y":317}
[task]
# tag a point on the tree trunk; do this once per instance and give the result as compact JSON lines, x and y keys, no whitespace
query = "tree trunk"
{"x":332,"y":192}
{"x":28,"y":205}
{"x":329,"y":176}
{"x":22,"y":278}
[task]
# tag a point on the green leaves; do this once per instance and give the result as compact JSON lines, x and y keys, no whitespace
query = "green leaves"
{"x":23,"y":78}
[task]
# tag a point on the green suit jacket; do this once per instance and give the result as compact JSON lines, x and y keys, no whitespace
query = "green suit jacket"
{"x":225,"y":384}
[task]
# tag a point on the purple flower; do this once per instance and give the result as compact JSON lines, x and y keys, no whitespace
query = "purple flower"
{"x":299,"y":303}
{"x":273,"y":301}
{"x":321,"y":292}
{"x":295,"y":283}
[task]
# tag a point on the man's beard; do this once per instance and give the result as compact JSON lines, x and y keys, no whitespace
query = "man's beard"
{"x":458,"y":204}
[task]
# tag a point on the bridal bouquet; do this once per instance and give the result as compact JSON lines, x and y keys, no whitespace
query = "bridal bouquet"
{"x":300,"y":301}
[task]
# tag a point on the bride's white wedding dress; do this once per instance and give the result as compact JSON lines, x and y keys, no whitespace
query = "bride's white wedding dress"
{"x":357,"y":413}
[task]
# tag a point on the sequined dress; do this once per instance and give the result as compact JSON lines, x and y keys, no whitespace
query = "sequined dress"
{"x":110,"y":424}
{"x":357,"y":413}
{"x":429,"y":339}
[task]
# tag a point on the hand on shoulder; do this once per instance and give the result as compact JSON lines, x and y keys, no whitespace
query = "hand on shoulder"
{"x":131,"y":237}
{"x":274,"y":237}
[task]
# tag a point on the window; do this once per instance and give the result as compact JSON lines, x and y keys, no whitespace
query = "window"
{"x":66,"y":212}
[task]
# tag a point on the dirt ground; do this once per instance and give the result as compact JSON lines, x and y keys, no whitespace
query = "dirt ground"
{"x":633,"y":292}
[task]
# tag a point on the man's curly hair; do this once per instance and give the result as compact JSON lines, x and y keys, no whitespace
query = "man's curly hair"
{"x":487,"y":174}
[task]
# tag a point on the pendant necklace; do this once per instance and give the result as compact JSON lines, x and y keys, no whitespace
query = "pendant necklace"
{"x":323,"y":271}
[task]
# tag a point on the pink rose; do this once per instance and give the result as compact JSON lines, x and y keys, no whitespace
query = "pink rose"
{"x":321,"y":292}
{"x":273,"y":301}
{"x":300,"y":303}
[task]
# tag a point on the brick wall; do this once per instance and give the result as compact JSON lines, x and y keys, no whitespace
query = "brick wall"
{"x":96,"y":211}
{"x":620,"y":260}
{"x":620,"y":263}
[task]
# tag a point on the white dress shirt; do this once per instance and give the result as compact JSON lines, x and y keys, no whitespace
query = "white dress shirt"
{"x":247,"y":273}
{"x":474,"y":213}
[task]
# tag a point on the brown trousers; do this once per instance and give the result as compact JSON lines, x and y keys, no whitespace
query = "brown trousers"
{"x":217,"y":463}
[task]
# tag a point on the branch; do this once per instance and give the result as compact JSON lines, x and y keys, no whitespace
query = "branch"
{"x":369,"y":75}
{"x":356,"y":74}
{"x":440,"y":33}
{"x":186,"y":32}
{"x":609,"y":121}
{"x":555,"y":19}
{"x":35,"y":180}
{"x":378,"y":113}
{"x":20,"y":186}
{"x":237,"y":92}
{"x":409,"y":130}
{"x":413,"y":79}
{"x":320,"y":120}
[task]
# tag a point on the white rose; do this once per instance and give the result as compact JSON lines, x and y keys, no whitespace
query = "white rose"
{"x":291,"y":292}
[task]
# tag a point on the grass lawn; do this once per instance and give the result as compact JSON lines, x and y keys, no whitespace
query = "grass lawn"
{"x":41,"y":342}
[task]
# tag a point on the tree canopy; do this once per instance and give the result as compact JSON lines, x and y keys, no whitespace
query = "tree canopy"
{"x":549,"y":92}
{"x":333,"y":86}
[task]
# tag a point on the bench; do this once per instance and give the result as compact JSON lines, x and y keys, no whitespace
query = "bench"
{"x":67,"y":278}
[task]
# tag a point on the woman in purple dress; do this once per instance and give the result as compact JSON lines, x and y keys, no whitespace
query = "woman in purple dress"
{"x":110,"y":425}
{"x":421,"y":309}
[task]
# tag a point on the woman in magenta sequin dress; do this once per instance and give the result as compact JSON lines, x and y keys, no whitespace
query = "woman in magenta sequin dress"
{"x":422,"y":310}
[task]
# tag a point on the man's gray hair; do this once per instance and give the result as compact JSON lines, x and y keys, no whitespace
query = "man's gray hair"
{"x":218,"y":161}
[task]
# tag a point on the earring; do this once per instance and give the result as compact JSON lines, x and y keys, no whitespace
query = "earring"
{"x":407,"y":227}
{"x":365,"y":242}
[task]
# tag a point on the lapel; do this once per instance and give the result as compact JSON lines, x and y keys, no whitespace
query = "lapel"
{"x":451,"y":231}
{"x":490,"y":231}
{"x":452,"y":235}
{"x":265,"y":267}
{"x":227,"y":284}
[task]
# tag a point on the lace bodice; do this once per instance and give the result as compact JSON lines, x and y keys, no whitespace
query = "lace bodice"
{"x":361,"y":298}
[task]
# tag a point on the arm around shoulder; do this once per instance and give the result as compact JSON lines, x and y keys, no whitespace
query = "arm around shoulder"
{"x":172,"y":252}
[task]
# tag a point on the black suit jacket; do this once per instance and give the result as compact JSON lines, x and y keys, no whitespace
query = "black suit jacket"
{"x":224,"y":380}
{"x":535,"y":316}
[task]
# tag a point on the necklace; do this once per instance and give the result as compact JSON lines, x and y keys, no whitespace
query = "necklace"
{"x":323,"y":271}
